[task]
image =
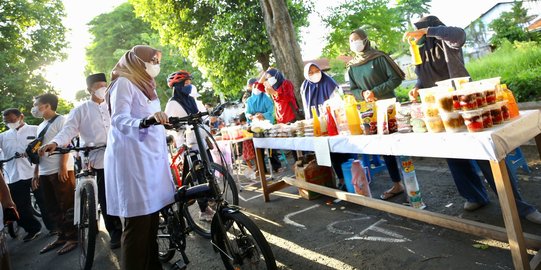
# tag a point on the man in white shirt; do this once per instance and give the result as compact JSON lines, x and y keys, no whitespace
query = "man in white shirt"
{"x":91,"y":121}
{"x":19,"y":172}
{"x":55,"y":176}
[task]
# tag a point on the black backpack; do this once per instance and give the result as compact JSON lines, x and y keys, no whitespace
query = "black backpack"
{"x":33,"y":146}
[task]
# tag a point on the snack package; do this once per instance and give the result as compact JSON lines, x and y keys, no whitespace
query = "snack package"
{"x":403,"y":117}
{"x":386,"y":116}
{"x":368,"y":117}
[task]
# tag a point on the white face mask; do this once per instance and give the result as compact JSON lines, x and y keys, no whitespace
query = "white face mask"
{"x":152,"y":70}
{"x":357,"y":45}
{"x":100,"y":93}
{"x":13,"y":125}
{"x":36,"y":112}
{"x":272,"y":80}
{"x":315,"y":78}
{"x":256,"y":91}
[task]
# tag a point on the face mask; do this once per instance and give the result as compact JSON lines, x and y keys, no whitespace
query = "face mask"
{"x":36,"y":112}
{"x":13,"y":125}
{"x":357,"y":45}
{"x":272,"y":81}
{"x":256,"y":91}
{"x":100,"y":93}
{"x":315,"y":78}
{"x":152,"y":70}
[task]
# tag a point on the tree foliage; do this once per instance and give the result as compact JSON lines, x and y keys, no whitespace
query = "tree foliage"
{"x":511,"y":26}
{"x":31,"y":37}
{"x":224,"y":39}
{"x":118,"y":31}
{"x":385,"y":24}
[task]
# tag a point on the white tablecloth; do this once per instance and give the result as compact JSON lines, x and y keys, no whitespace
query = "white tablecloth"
{"x":491,"y":144}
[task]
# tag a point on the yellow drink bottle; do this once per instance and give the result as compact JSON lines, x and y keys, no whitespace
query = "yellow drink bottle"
{"x":317,"y":125}
{"x":511,"y":102}
{"x":352,"y":115}
{"x":415,"y":54}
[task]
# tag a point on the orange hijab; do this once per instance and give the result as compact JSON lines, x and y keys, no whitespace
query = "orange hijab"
{"x":132,"y":67}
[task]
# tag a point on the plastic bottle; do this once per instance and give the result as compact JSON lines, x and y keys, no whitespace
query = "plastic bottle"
{"x":511,"y":102}
{"x":358,"y":178}
{"x":322,"y":120}
{"x":352,"y":115}
{"x":410,"y":181}
{"x":415,"y":54}
{"x":332,"y":130}
{"x":317,"y":126}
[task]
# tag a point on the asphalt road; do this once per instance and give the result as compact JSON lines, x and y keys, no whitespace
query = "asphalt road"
{"x":322,"y":234}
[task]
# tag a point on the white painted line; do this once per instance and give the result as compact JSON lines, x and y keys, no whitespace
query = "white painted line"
{"x":397,"y":238}
{"x":287,"y":217}
{"x":251,"y":198}
{"x":334,"y":230}
{"x":377,"y":239}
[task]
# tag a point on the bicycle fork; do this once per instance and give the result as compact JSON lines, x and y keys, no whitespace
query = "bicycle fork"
{"x":80,"y":183}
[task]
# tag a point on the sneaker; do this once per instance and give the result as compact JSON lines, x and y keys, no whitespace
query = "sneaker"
{"x":31,"y":236}
{"x":472,"y":206}
{"x":534,"y":217}
{"x":207,"y":215}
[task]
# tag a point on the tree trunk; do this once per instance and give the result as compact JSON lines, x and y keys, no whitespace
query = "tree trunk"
{"x":264,"y":60}
{"x":284,"y":44}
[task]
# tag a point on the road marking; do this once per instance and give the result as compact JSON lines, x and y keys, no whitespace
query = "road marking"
{"x":334,"y":230}
{"x":251,"y":198}
{"x":287,"y":217}
{"x":395,"y":237}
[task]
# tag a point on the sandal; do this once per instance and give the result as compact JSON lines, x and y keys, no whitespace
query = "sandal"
{"x":389,"y":194}
{"x":52,"y":246}
{"x":69,"y":246}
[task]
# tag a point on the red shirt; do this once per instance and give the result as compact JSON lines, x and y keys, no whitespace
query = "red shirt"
{"x":284,"y":102}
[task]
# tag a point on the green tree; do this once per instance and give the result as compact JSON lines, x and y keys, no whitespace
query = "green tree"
{"x":224,"y":39}
{"x":118,"y":31}
{"x":511,"y":26}
{"x":385,"y":24}
{"x":31,"y":37}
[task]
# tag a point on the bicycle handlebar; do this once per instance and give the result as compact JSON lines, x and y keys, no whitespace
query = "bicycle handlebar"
{"x":65,"y":150}
{"x":17,"y":155}
{"x":196,"y":118}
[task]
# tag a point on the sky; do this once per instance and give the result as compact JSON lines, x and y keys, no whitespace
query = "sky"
{"x":68,"y":76}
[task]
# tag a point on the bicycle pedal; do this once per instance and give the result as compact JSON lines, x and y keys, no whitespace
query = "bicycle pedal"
{"x":179,"y":265}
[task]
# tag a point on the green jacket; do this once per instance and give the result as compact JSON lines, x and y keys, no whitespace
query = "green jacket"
{"x":376,"y":75}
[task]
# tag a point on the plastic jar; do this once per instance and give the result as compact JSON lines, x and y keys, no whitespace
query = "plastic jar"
{"x":487,"y":119}
{"x":496,"y":114}
{"x":453,"y":122}
{"x":434,"y":124}
{"x":473,"y":120}
{"x":467,"y":100}
{"x":505,"y":110}
{"x":444,"y":101}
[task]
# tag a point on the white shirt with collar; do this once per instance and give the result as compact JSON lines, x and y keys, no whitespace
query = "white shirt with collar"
{"x":51,"y":164}
{"x":91,"y":121}
{"x":15,"y":141}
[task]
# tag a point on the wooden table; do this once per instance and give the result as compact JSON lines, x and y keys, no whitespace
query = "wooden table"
{"x":493,"y":145}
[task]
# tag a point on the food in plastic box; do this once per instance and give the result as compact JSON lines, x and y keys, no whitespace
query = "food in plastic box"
{"x":418,"y":125}
{"x":445,"y":101}
{"x":467,"y":99}
{"x":496,"y":114}
{"x":487,"y":119}
{"x":434,"y":124}
{"x":430,"y":110}
{"x":473,"y":120}
{"x":428,"y":95}
{"x":481,"y":100}
{"x":505,"y":110}
{"x":453,"y":122}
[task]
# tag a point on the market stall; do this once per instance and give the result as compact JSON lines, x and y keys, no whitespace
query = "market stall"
{"x":492,"y":144}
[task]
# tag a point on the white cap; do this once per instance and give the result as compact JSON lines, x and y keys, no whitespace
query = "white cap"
{"x":194,"y":92}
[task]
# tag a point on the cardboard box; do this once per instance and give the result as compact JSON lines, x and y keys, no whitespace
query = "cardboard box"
{"x":312,"y":173}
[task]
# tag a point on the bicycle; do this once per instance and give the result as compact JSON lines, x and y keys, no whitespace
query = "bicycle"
{"x":85,"y":210}
{"x":186,"y":169}
{"x":237,"y":238}
{"x":13,"y":227}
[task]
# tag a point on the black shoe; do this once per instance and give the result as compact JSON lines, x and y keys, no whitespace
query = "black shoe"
{"x":31,"y":236}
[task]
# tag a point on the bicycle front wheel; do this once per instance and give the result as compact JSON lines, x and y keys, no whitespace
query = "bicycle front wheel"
{"x":199,"y":212}
{"x":88,"y":226}
{"x":243,"y":246}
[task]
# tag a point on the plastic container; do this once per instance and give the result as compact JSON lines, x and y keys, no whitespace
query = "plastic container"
{"x":346,"y":170}
{"x":505,"y":110}
{"x":430,"y":110}
{"x":352,"y":115}
{"x":473,"y":120}
{"x":317,"y":125}
{"x":481,"y":99}
{"x":428,"y":95}
{"x":487,"y":119}
{"x":455,"y":83}
{"x":332,"y":130}
{"x":456,"y":102}
{"x":496,"y":114}
{"x":467,"y":100}
{"x":511,"y":102}
{"x":444,"y":101}
{"x":434,"y":124}
{"x":410,"y":182}
{"x":453,"y":122}
{"x":359,"y":179}
{"x":415,"y":54}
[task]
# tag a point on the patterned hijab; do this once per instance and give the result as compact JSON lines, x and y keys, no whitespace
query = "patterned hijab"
{"x":132,"y":67}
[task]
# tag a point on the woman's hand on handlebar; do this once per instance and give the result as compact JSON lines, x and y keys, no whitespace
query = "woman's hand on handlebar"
{"x":161,"y":118}
{"x":158,"y":118}
{"x":47,"y":148}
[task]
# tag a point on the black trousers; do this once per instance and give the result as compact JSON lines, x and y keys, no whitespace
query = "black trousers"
{"x":49,"y":222}
{"x":112,"y":223}
{"x":20,"y":192}
{"x":139,"y":243}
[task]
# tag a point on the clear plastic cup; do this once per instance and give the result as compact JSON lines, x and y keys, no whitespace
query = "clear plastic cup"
{"x":444,"y":101}
{"x":496,"y":114}
{"x":455,"y":83}
{"x":505,"y":110}
{"x":428,"y":95}
{"x":453,"y":122}
{"x":429,"y":110}
{"x":467,"y":99}
{"x":473,"y":120}
{"x":487,"y":119}
{"x":434,"y":124}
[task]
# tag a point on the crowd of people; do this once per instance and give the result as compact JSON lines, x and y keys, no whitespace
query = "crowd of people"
{"x":133,"y":175}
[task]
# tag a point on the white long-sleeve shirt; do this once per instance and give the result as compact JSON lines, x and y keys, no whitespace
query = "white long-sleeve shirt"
{"x":15,"y":141}
{"x":139,"y":180}
{"x":91,"y":122}
{"x":51,"y":164}
{"x":173,"y":108}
